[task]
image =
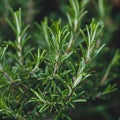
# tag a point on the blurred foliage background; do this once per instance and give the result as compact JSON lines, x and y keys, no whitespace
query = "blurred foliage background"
{"x":35,"y":11}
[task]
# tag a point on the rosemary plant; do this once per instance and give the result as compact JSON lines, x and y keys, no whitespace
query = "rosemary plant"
{"x":45,"y":83}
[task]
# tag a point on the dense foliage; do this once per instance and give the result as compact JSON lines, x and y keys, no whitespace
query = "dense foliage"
{"x":50,"y":68}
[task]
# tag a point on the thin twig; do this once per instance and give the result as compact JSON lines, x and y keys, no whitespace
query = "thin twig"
{"x":5,"y":74}
{"x":104,"y":78}
{"x":20,"y":51}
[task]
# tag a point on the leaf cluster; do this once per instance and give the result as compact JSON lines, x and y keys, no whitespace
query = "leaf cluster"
{"x":56,"y":76}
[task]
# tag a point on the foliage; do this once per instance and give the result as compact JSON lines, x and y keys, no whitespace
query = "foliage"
{"x":46,"y":81}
